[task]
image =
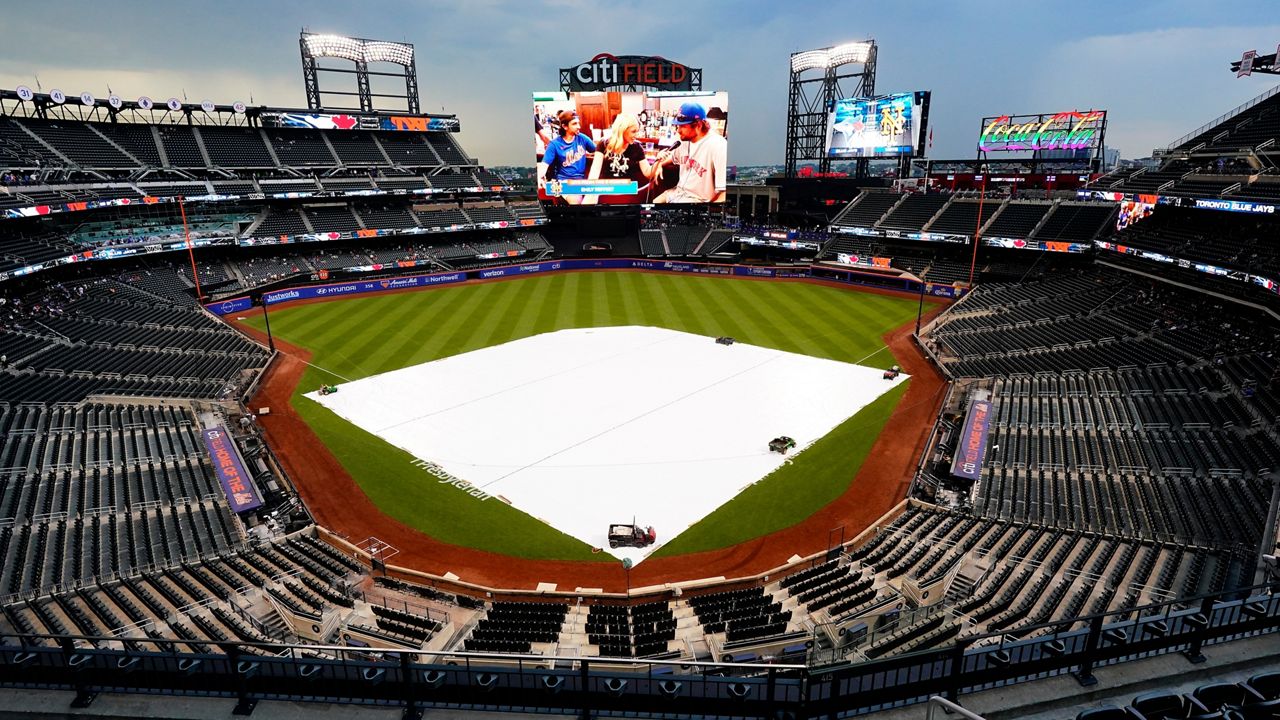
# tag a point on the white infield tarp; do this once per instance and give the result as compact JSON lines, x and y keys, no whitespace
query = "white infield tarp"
{"x":583,"y":428}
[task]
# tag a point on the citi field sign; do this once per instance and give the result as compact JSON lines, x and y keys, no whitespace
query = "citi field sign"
{"x":606,"y":70}
{"x":1072,"y":130}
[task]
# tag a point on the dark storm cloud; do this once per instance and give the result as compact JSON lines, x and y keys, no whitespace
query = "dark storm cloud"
{"x":1159,"y":67}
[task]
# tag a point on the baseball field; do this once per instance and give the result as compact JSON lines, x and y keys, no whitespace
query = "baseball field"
{"x":355,"y":338}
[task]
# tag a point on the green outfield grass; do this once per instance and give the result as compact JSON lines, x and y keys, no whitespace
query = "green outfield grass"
{"x":363,"y":336}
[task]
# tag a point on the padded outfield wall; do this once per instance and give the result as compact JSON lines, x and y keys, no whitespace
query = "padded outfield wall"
{"x":360,"y":287}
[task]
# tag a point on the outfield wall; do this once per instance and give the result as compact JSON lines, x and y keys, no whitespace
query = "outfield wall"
{"x":361,"y":287}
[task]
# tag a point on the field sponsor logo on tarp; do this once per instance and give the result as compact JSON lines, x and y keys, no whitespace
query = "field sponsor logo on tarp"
{"x":447,"y":478}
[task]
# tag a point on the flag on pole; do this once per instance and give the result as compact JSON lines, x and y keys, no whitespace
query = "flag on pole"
{"x":1246,"y":63}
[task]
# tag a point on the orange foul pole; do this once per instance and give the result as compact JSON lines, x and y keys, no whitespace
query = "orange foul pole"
{"x":976,"y":239}
{"x":191,"y":251}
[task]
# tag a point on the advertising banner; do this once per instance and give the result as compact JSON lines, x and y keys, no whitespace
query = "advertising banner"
{"x":227,"y":465}
{"x":971,"y":449}
{"x":1070,"y":130}
{"x":937,"y":290}
{"x":38,"y":210}
{"x":512,"y":270}
{"x":1240,"y":206}
{"x":234,"y":305}
{"x":864,"y":260}
{"x":331,"y":121}
{"x":900,"y":234}
{"x":606,"y":70}
{"x":784,"y":243}
{"x":364,"y":286}
{"x":1266,"y":283}
{"x":1042,"y":245}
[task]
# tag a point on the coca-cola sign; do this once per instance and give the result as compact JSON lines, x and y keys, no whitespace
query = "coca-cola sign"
{"x":1071,"y":130}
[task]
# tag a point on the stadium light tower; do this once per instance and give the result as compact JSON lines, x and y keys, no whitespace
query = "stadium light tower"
{"x":816,"y":77}
{"x":361,"y":52}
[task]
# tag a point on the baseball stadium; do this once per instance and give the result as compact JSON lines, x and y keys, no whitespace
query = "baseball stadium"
{"x":306,"y":406}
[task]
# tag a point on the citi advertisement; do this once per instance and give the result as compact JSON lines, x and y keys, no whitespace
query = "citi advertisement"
{"x":606,"y":70}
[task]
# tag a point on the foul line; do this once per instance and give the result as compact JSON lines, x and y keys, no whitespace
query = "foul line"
{"x":317,"y":367}
{"x":324,"y":370}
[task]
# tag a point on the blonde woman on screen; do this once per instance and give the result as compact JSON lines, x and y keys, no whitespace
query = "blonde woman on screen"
{"x":623,"y":157}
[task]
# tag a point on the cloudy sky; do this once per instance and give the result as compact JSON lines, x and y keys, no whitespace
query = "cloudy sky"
{"x":1160,"y":68}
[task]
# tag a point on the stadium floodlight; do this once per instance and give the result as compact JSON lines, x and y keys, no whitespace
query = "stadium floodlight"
{"x":817,"y":78}
{"x":358,"y":50}
{"x":335,"y":46}
{"x":808,"y":60}
{"x":858,"y":52}
{"x":391,"y":52}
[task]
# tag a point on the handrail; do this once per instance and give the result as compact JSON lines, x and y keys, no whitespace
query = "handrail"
{"x":1223,"y":118}
{"x":949,"y":707}
{"x":675,"y":686}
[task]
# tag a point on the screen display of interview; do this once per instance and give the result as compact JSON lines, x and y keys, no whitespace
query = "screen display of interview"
{"x":886,"y":126}
{"x":631,"y":148}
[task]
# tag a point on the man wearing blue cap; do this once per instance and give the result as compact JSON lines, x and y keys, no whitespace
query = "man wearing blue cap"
{"x":702,"y":156}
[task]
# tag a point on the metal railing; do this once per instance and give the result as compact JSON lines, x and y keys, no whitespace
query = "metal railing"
{"x":414,"y":679}
{"x":1222,"y":118}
